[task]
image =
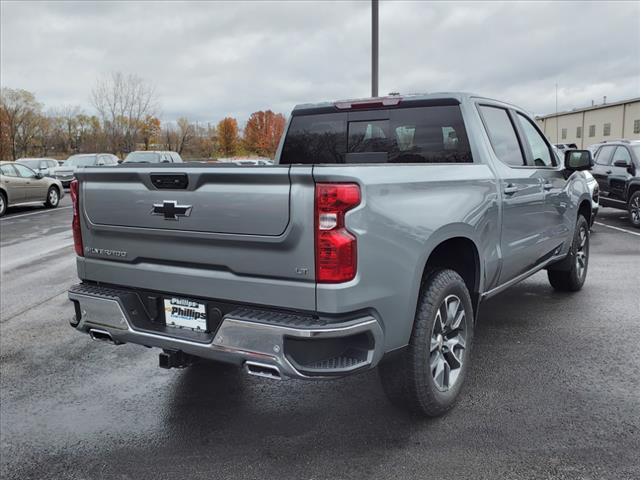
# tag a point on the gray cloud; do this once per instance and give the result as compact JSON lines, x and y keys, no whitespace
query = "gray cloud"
{"x":211,"y":59}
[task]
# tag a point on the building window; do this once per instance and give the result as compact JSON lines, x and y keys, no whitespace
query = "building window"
{"x":636,"y":126}
{"x":564,"y":133}
{"x":592,"y":130}
{"x":606,"y":130}
{"x":579,"y":132}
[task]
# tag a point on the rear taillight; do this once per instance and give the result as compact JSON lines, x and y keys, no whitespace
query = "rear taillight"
{"x":336,"y":249}
{"x":75,"y":223}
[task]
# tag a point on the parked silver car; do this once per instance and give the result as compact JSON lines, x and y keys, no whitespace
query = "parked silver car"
{"x":20,"y":185}
{"x":46,"y":166}
{"x":153,"y":156}
{"x":65,"y":172}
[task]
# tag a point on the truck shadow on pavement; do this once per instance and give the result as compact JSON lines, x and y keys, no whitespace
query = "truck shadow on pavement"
{"x":222,"y":408}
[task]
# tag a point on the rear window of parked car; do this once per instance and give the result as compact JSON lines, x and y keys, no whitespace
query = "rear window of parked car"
{"x":434,"y":134}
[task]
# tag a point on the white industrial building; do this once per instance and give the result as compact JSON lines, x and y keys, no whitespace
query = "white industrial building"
{"x":595,"y":124}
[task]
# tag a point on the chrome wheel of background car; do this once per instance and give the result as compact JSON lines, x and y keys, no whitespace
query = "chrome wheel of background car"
{"x":53,"y":197}
{"x":634,"y":209}
{"x":582,"y":252}
{"x":448,"y":341}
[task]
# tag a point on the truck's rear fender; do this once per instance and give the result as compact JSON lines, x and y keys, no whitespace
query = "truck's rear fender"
{"x":405,"y":213}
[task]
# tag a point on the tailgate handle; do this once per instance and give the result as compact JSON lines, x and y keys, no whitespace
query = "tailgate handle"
{"x":170,"y":181}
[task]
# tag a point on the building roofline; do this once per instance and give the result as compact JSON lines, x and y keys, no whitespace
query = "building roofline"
{"x":586,"y":109}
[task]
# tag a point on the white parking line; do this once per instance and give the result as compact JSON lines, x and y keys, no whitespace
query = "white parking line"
{"x":33,"y":213}
{"x":617,"y":228}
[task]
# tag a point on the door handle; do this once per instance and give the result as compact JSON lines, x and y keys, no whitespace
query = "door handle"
{"x":547,"y":186}
{"x":510,"y":189}
{"x":608,"y":172}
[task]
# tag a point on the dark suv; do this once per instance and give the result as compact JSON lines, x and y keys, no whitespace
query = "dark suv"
{"x":617,"y":170}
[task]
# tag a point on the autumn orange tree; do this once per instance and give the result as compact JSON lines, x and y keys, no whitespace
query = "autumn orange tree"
{"x":228,"y":138}
{"x":263,"y":131}
{"x":149,"y":130}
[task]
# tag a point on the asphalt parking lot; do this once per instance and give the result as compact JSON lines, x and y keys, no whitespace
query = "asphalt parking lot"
{"x":554,"y":391}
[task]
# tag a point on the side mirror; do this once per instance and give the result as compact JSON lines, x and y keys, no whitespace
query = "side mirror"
{"x":575,"y":160}
{"x":39,"y":175}
{"x":621,"y":163}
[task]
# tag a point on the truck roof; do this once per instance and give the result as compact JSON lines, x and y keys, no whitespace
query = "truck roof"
{"x":458,"y":97}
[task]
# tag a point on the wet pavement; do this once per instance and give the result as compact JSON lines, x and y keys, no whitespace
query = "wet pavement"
{"x":553,"y":392}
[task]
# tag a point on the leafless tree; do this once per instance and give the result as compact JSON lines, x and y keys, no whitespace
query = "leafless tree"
{"x":123,"y":102}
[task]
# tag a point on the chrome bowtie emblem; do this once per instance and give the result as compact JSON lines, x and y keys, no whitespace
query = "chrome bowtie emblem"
{"x":171,"y":210}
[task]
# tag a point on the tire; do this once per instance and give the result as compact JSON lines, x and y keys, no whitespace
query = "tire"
{"x":3,"y":204}
{"x":634,"y":209}
{"x":570,"y":274}
{"x":53,"y":198}
{"x":424,"y":378}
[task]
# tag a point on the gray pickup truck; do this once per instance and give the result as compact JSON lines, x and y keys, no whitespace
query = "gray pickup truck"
{"x":372,"y":241}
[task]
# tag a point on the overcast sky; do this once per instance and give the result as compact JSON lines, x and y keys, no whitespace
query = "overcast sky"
{"x":210,"y":60}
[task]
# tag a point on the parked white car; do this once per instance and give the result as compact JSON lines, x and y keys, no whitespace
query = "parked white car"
{"x":46,"y":166}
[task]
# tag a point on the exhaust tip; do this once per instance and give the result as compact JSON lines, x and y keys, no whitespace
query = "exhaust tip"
{"x":262,"y":370}
{"x":102,"y":336}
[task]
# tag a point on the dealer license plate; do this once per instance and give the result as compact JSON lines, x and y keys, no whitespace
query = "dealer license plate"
{"x":184,"y":313}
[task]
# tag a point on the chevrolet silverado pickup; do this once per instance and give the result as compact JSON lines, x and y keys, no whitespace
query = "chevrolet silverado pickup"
{"x":372,"y":242}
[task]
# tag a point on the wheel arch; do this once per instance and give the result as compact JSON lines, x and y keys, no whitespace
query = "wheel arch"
{"x":460,"y":253}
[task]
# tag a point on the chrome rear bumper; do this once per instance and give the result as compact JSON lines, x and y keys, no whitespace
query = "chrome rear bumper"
{"x":238,"y":339}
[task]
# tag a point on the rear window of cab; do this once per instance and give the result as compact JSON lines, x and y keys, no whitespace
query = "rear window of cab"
{"x":432,"y":134}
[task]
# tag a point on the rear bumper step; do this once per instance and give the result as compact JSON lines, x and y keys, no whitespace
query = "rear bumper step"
{"x":266,"y":343}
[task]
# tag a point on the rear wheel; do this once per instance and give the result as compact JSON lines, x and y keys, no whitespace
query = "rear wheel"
{"x":3,"y":204}
{"x":570,"y":274}
{"x":427,"y":376}
{"x":634,"y":209}
{"x":53,"y":198}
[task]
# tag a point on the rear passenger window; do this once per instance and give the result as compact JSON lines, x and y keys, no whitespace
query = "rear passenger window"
{"x":540,"y":151}
{"x":407,"y":135}
{"x":604,"y":155}
{"x":502,"y":135}
{"x":8,"y":171}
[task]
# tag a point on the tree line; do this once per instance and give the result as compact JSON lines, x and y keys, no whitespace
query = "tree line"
{"x":125,"y":118}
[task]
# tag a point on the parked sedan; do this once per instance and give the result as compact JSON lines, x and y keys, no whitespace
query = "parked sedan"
{"x":45,"y":166}
{"x":65,"y":172}
{"x":20,"y":185}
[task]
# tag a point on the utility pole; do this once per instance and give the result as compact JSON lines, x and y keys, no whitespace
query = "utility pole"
{"x":374,"y":48}
{"x":557,"y":119}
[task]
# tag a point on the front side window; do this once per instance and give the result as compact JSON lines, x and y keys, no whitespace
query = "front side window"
{"x":405,"y":135}
{"x":621,"y":153}
{"x":502,"y":135}
{"x":539,"y":149}
{"x":604,"y":155}
{"x":23,"y":171}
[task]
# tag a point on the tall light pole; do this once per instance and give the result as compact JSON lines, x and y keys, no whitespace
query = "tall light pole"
{"x":374,"y":48}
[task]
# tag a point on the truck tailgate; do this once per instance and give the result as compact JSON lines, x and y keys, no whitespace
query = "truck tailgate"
{"x":223,"y":232}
